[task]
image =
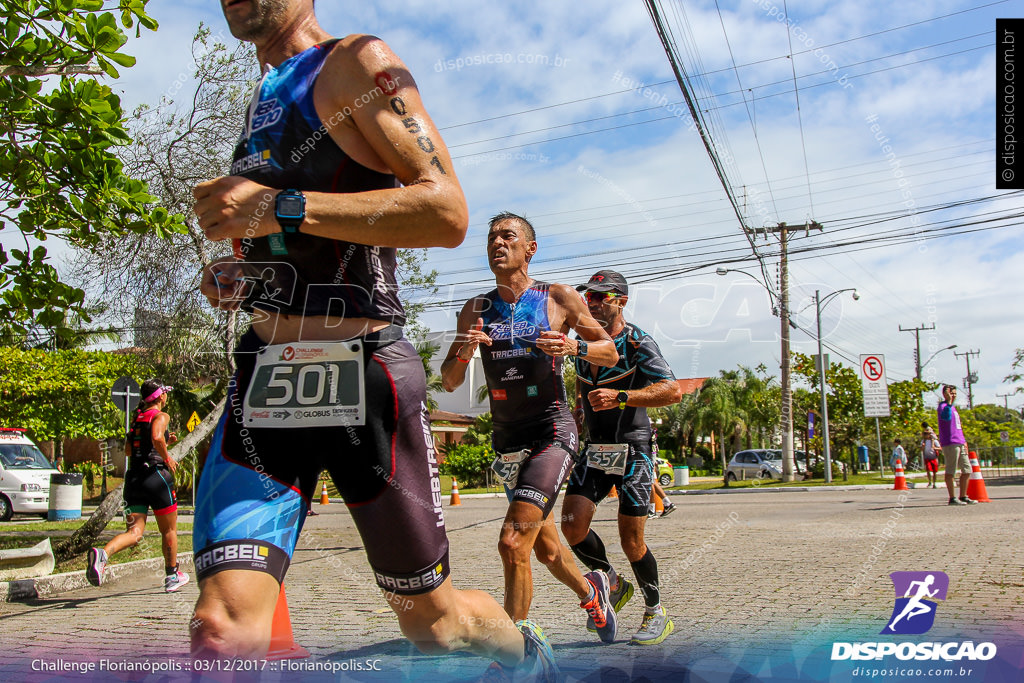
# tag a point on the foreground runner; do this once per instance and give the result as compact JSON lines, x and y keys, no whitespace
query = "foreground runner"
{"x":325,"y":378}
{"x":148,"y":483}
{"x":522,"y":324}
{"x":613,"y":401}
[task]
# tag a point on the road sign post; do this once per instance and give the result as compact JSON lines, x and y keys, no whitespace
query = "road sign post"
{"x":123,"y":393}
{"x":875,"y":391}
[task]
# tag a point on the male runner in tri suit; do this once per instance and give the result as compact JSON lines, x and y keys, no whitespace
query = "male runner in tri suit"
{"x":148,"y":483}
{"x":613,"y":402}
{"x":522,"y":325}
{"x":338,"y":166}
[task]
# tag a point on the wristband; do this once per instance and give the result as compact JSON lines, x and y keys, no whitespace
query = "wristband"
{"x":459,"y":358}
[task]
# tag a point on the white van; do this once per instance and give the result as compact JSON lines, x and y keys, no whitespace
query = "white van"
{"x":24,"y":475}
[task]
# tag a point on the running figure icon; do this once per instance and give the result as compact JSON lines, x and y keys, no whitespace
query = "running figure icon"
{"x":915,"y":605}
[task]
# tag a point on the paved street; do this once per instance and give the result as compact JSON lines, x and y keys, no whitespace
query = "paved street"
{"x":743,"y":574}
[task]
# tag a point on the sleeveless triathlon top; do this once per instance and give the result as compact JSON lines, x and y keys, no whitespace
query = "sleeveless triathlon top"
{"x":286,"y":146}
{"x":640,"y":364}
{"x":144,"y":455}
{"x":525,"y":384}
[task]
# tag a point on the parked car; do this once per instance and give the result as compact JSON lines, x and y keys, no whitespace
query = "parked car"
{"x":799,"y":460}
{"x":666,"y":475}
{"x":24,"y":475}
{"x":754,"y":464}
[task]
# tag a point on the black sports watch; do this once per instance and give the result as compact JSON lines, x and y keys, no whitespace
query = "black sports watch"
{"x":581,"y":348}
{"x":290,"y":210}
{"x":622,"y":397}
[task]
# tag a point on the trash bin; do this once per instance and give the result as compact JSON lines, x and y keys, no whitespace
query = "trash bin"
{"x":65,"y":497}
{"x":864,"y":456}
{"x":682,"y":473}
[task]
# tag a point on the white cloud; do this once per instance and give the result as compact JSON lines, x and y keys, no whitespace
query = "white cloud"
{"x":929,"y":111}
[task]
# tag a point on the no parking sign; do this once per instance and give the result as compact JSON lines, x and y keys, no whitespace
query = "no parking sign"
{"x":874,"y":386}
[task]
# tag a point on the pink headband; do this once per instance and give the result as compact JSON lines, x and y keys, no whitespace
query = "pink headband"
{"x":157,"y":394}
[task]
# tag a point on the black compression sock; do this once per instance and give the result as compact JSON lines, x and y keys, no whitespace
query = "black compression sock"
{"x":591,"y":552}
{"x":646,"y":571}
{"x":171,"y":570}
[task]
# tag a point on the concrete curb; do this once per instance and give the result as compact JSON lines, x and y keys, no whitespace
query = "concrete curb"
{"x":780,"y":489}
{"x":55,"y":584}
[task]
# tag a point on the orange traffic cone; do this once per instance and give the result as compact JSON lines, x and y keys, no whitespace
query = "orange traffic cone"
{"x":282,"y":644}
{"x":455,"y":494}
{"x":659,"y":507}
{"x":976,"y":485}
{"x":901,"y":480}
{"x":614,"y":493}
{"x":324,"y":500}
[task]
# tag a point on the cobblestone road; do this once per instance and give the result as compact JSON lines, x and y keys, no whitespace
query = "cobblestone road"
{"x":742,"y":574}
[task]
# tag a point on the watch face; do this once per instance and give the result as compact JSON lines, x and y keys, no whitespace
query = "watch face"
{"x":290,"y":207}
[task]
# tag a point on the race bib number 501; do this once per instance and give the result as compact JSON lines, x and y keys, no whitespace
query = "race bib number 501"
{"x":307,"y":385}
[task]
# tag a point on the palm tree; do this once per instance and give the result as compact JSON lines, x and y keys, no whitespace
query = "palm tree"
{"x":712,"y":409}
{"x":426,"y":351}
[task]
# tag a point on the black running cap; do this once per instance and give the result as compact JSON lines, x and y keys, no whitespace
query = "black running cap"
{"x":606,"y":281}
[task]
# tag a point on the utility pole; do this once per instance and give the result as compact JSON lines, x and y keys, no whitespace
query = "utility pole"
{"x":917,"y":347}
{"x":970,"y":377}
{"x":782,"y":230}
{"x":1006,"y":400}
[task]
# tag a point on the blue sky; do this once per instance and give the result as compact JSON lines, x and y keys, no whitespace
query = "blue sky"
{"x":642,"y":196}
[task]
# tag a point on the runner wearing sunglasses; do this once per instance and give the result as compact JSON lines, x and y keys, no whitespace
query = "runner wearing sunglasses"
{"x":613,"y":402}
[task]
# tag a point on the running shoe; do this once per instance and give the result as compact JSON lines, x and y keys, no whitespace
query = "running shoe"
{"x":654,"y":629}
{"x":651,"y":512}
{"x":538,"y":657}
{"x":172,"y":582}
{"x":618,"y":597}
{"x":600,"y":606}
{"x":669,"y":509}
{"x":955,"y":501}
{"x":95,"y":565}
{"x":968,"y":501}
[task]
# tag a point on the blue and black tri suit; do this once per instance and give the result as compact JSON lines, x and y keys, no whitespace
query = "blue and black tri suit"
{"x":527,"y":395}
{"x":148,"y":482}
{"x":257,"y":483}
{"x":640,"y":364}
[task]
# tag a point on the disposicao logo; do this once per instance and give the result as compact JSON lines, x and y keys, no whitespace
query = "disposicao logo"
{"x":914,"y":614}
{"x":916,"y":593}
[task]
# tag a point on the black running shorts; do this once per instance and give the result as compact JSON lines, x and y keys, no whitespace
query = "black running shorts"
{"x":257,"y":483}
{"x":150,"y":487}
{"x":634,"y":484}
{"x":553,"y":450}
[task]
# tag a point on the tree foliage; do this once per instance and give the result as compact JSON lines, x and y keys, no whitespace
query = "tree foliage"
{"x":1017,"y":371}
{"x":468,"y":463}
{"x":847,"y":425}
{"x":62,"y":393}
{"x":59,"y":174}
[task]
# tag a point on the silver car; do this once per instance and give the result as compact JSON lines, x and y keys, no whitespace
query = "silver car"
{"x":754,"y":464}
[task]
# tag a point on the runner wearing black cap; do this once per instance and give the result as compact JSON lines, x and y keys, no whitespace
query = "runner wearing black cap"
{"x":613,"y":402}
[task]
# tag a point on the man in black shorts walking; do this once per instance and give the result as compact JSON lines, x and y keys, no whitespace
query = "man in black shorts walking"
{"x":613,"y":402}
{"x":521,"y":325}
{"x":338,"y":166}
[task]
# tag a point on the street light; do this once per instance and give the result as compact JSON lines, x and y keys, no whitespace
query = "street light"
{"x":787,"y":394}
{"x":819,"y":303}
{"x":930,"y":358}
